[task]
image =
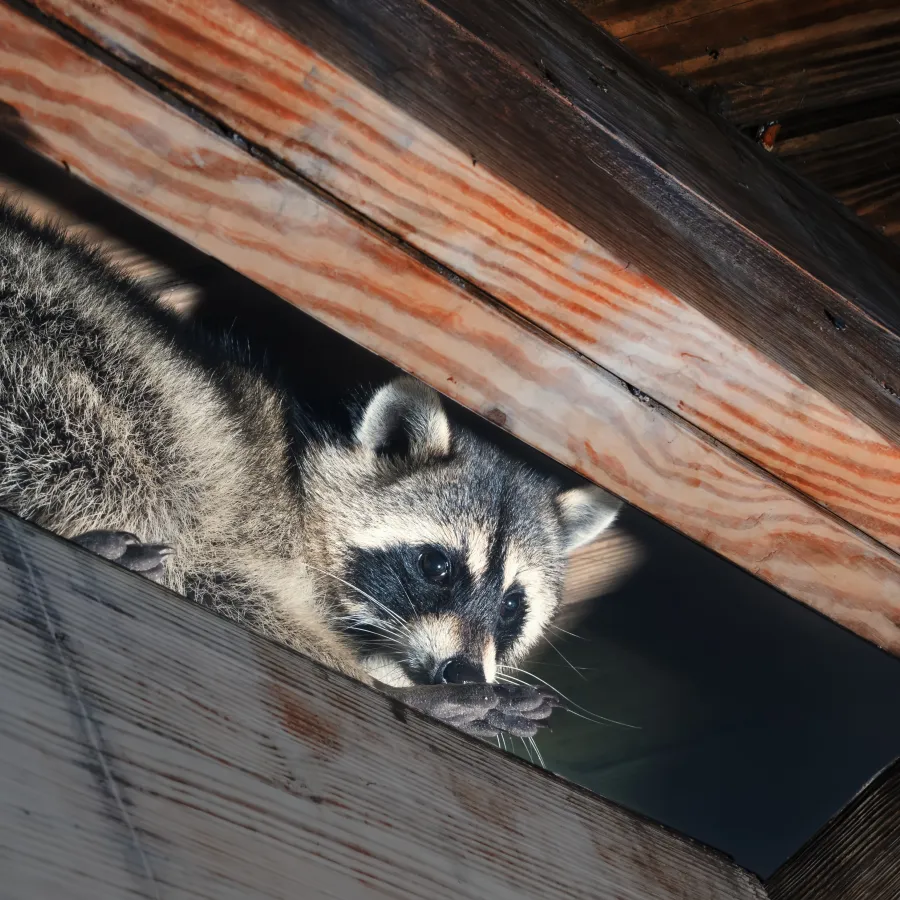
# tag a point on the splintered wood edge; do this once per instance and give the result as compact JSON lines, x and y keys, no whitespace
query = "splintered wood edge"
{"x":279,"y":94}
{"x":235,"y":207}
{"x":151,"y":746}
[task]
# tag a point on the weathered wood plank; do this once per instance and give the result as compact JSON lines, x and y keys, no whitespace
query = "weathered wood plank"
{"x":856,"y":856}
{"x":54,"y":802}
{"x":279,"y":94}
{"x":613,"y":147}
{"x":226,"y":766}
{"x":209,"y":191}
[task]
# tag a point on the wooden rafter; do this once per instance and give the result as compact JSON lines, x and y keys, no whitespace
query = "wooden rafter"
{"x":314,"y":231}
{"x":566,"y":114}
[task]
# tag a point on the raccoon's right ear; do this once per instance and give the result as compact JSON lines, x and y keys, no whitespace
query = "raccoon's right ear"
{"x":586,"y":512}
{"x":405,"y":418}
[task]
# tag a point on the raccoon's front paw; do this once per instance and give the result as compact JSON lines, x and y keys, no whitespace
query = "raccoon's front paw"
{"x":483,"y":710}
{"x":460,"y":705}
{"x":522,"y":709}
{"x":127,"y":550}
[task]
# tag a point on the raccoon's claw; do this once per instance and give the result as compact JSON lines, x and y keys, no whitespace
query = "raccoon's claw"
{"x":535,"y":701}
{"x":126,"y":550}
{"x":521,"y":709}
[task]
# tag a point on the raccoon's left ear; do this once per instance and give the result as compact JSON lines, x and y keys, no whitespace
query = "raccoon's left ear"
{"x":405,"y":418}
{"x":586,"y":512}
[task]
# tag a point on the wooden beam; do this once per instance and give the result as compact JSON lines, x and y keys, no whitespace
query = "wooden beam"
{"x":534,"y":91}
{"x":283,"y":97}
{"x":149,"y":748}
{"x":203,"y":186}
{"x":856,"y":856}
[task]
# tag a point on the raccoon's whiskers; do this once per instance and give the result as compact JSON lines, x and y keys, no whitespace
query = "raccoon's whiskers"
{"x":537,"y":752}
{"x":358,"y":619}
{"x":563,"y":658}
{"x":580,"y":637}
{"x":409,"y":599}
{"x":382,"y":635}
{"x":400,"y":623}
{"x":590,"y":717}
{"x":527,"y":750}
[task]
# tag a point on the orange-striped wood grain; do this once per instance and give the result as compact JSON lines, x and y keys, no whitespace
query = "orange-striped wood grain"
{"x":384,"y":163}
{"x":209,"y":191}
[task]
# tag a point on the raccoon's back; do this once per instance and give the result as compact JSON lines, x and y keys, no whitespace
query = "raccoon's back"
{"x":93,"y":393}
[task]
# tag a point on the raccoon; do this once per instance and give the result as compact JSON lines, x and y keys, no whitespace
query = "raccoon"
{"x":406,"y":552}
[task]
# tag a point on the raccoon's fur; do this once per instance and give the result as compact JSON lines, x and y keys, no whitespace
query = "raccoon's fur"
{"x":409,"y":552}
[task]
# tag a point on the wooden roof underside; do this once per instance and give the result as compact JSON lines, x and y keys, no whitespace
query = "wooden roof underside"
{"x":827,"y":72}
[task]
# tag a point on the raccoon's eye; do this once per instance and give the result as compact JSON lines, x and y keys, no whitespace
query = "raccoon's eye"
{"x":511,"y":604}
{"x":434,"y":564}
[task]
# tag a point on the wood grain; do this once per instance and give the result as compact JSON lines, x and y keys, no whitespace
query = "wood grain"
{"x":280,"y":95}
{"x":767,"y":55}
{"x":857,"y":161}
{"x":625,"y":18}
{"x":613,"y":147}
{"x":231,"y":205}
{"x":856,"y":856}
{"x":151,"y":749}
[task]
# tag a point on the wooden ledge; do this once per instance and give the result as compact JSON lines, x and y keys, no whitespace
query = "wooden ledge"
{"x":150,"y":748}
{"x":198,"y":180}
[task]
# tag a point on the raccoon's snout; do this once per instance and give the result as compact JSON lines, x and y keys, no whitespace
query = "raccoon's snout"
{"x":458,"y":670}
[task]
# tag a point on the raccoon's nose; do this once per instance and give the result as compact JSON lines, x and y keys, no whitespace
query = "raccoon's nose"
{"x":459,"y":670}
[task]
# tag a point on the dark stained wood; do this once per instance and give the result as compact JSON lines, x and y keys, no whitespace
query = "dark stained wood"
{"x":612,"y":147}
{"x":625,"y":18}
{"x":149,"y":748}
{"x":856,"y":856}
{"x":858,"y":162}
{"x":827,"y":70}
{"x":791,"y":58}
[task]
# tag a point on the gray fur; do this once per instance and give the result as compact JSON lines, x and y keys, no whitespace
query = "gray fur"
{"x":116,"y":416}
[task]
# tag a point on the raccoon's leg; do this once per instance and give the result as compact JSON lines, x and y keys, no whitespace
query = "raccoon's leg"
{"x":127,"y":550}
{"x":483,"y":710}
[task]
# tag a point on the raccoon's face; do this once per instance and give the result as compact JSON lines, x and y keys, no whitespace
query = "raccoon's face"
{"x":450,"y":555}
